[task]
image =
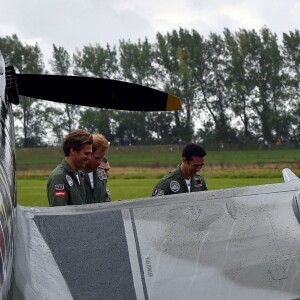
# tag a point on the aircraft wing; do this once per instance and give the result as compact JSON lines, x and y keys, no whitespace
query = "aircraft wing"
{"x":239,"y":243}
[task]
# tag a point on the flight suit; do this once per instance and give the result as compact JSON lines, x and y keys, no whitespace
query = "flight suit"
{"x":63,"y":187}
{"x":100,"y":192}
{"x":174,"y":183}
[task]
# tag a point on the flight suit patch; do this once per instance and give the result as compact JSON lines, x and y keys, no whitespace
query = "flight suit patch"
{"x":158,"y":192}
{"x":60,"y":193}
{"x":198,"y":182}
{"x":174,"y":186}
{"x":59,"y":187}
{"x":102,"y":176}
{"x":155,"y":191}
{"x":70,"y":180}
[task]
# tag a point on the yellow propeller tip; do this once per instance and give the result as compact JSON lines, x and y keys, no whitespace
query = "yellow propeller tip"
{"x":173,"y":103}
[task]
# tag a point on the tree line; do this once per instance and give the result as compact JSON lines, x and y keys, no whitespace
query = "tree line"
{"x":235,"y":87}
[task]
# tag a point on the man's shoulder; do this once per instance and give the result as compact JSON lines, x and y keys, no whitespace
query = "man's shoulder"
{"x":168,"y":177}
{"x":60,"y":174}
{"x":101,"y":174}
{"x":57,"y":171}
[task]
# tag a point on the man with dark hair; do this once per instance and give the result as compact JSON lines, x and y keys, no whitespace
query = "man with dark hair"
{"x":95,"y":177}
{"x":65,"y":183}
{"x":184,"y":179}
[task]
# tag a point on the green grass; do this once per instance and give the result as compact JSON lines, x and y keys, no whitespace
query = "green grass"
{"x":32,"y":192}
{"x":223,"y":169}
{"x":234,"y":157}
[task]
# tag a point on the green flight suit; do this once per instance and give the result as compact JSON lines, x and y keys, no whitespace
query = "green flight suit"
{"x":63,"y":187}
{"x":100,"y":192}
{"x":174,"y":183}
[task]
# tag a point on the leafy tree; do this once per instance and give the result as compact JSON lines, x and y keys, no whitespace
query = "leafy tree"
{"x":97,"y":120}
{"x":96,"y":61}
{"x":64,"y":115}
{"x":99,"y":62}
{"x":291,"y":55}
{"x":29,"y":113}
{"x":240,"y":83}
{"x":213,"y":86}
{"x":131,"y":127}
{"x":268,"y":98}
{"x":175,"y":54}
{"x":136,"y":66}
{"x":136,"y":62}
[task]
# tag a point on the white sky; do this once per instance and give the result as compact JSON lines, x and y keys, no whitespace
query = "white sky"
{"x":73,"y":24}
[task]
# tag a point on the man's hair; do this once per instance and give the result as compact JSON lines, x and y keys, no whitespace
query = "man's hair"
{"x":193,"y":150}
{"x":99,"y":142}
{"x":76,"y":139}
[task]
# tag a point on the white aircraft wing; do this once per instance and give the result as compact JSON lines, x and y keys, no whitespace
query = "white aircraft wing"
{"x":241,"y":243}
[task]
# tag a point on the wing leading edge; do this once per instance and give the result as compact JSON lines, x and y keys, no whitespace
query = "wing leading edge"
{"x":289,"y":175}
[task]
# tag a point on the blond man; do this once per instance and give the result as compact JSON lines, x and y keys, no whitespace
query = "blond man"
{"x":95,"y":178}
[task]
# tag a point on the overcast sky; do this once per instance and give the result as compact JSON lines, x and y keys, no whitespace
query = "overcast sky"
{"x":74,"y":23}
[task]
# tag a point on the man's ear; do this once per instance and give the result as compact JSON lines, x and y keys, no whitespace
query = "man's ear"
{"x":72,"y":151}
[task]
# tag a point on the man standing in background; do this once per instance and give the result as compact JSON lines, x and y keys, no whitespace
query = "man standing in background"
{"x":106,"y":167}
{"x":184,"y":179}
{"x":65,"y":183}
{"x":95,"y":177}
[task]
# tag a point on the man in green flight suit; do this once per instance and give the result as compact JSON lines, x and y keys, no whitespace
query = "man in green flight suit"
{"x":65,"y":183}
{"x":184,"y":179}
{"x":95,"y":177}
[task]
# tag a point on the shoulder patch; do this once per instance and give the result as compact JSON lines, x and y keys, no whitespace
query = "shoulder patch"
{"x":60,"y":193}
{"x":59,"y":187}
{"x":174,"y":186}
{"x":198,"y":181}
{"x":101,"y":174}
{"x":70,"y":180}
{"x":154,"y":193}
{"x":158,"y":192}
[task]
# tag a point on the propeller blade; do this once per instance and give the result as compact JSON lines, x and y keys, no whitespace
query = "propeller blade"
{"x":96,"y":92}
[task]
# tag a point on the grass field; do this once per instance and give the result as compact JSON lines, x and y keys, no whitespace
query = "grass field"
{"x":32,"y":192}
{"x":160,"y":156}
{"x":131,"y":183}
{"x":135,"y":170}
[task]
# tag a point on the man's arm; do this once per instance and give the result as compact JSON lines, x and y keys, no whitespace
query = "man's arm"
{"x":160,"y":189}
{"x":107,"y":195}
{"x":57,"y":191}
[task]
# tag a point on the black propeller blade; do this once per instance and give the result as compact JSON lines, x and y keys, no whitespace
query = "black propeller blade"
{"x":96,"y":92}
